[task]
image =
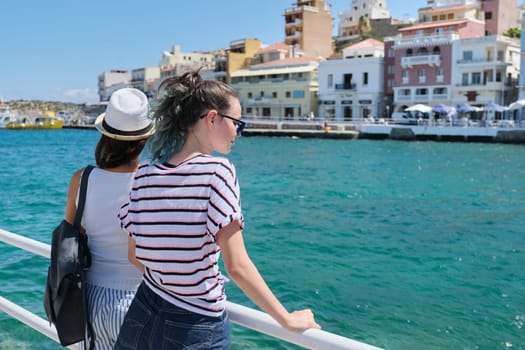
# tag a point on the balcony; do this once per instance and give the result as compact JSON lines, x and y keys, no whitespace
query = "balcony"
{"x":296,"y":35}
{"x":345,"y":86}
{"x":296,"y":22}
{"x":482,"y":62}
{"x":430,"y":60}
{"x":421,"y":41}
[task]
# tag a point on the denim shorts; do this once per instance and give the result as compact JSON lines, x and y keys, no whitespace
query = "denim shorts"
{"x":152,"y":323}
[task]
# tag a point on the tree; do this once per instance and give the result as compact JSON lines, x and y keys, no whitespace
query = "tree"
{"x":513,"y":32}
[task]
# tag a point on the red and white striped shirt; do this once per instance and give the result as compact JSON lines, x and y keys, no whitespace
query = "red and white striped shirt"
{"x":173,"y":214}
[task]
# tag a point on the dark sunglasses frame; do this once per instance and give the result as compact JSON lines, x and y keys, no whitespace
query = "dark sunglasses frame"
{"x":240,"y":124}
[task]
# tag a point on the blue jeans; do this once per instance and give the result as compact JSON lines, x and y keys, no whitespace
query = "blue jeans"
{"x":152,"y":323}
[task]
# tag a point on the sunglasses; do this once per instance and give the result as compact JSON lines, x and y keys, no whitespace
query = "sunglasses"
{"x":240,"y":124}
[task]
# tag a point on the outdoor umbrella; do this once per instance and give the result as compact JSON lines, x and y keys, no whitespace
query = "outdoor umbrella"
{"x":419,"y":108}
{"x":494,"y":107}
{"x":441,"y":108}
{"x":517,"y":105}
{"x":465,"y":107}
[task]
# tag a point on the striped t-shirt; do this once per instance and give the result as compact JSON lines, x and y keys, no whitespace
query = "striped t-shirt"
{"x":173,"y":214}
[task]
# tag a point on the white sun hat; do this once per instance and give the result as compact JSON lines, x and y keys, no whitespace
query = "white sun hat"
{"x":126,"y":116}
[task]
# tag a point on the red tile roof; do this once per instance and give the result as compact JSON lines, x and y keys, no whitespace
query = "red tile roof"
{"x":366,"y":44}
{"x":274,"y":47}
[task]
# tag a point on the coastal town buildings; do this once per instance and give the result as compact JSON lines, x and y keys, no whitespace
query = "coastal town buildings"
{"x":455,"y":53}
{"x":308,"y":27}
{"x":351,"y":88}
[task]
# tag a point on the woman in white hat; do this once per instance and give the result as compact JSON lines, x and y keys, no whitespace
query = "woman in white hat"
{"x":111,"y":280}
{"x":184,"y":210}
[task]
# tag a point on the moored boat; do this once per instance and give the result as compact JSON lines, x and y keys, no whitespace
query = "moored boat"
{"x":46,"y":121}
{"x":6,"y":116}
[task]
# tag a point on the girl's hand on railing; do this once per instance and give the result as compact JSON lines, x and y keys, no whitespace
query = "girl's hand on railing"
{"x":301,"y":320}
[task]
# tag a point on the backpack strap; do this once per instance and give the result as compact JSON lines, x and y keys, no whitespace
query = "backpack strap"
{"x":78,"y":219}
{"x":82,"y":195}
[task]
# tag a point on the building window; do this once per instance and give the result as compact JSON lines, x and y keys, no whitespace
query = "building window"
{"x":476,"y":78}
{"x":421,"y":92}
{"x":405,"y":76}
{"x":288,"y":94}
{"x":439,"y":75}
{"x":488,"y":15}
{"x":422,"y":74}
{"x":250,"y":95}
{"x":391,"y":52}
{"x":298,"y":94}
{"x":274,"y":94}
{"x":347,"y":79}
{"x":464,"y":79}
{"x":330,"y":80}
{"x":467,"y":55}
{"x":365,"y":78}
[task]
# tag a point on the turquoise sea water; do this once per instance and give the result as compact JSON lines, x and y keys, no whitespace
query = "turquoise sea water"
{"x":403,"y":245}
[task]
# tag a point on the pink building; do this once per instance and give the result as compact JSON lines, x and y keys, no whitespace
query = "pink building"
{"x":421,"y":61}
{"x":500,"y":15}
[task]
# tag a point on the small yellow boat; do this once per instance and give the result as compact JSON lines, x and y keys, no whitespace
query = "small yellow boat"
{"x":47,"y":121}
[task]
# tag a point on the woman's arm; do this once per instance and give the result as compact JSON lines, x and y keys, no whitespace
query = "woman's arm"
{"x":71,"y":206}
{"x":241,"y":269}
{"x":131,"y":255}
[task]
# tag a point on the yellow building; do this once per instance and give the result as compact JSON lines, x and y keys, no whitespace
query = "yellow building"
{"x":280,"y":89}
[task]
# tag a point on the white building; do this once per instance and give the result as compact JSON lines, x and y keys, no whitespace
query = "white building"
{"x":110,"y":81}
{"x":349,"y":21}
{"x":145,"y":79}
{"x":485,"y":70}
{"x":522,"y":58}
{"x":177,"y":62}
{"x":351,"y":88}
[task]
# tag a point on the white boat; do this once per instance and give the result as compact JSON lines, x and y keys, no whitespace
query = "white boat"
{"x":6,"y":116}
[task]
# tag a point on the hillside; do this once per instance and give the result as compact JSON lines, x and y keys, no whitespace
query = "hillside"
{"x":33,"y":106}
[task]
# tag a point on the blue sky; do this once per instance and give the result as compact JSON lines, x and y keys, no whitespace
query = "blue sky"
{"x":55,"y":49}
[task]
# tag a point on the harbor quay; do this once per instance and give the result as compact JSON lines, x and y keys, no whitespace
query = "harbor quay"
{"x":381,"y":130}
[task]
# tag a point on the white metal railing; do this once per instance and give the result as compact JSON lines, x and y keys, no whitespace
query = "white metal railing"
{"x":241,"y":315}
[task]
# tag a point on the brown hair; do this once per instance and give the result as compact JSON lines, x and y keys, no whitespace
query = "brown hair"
{"x":111,"y":153}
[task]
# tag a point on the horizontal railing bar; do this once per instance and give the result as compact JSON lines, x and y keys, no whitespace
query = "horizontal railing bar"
{"x":30,"y":319}
{"x":244,"y":316}
{"x":31,"y":245}
{"x":311,"y":338}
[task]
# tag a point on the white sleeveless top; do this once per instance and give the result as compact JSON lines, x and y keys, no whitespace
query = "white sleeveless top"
{"x":110,"y":267}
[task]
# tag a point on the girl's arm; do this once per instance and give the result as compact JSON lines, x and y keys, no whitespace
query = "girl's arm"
{"x":241,"y":269}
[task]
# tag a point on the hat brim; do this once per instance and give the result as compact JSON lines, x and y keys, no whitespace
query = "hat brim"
{"x":99,"y":125}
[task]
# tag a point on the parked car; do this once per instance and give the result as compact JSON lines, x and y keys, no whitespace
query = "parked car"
{"x":404,"y":118}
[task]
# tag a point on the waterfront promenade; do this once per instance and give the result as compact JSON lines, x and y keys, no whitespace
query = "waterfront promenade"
{"x":380,"y":131}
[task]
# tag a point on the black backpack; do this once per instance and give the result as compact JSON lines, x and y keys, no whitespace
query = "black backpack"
{"x":65,"y":296}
